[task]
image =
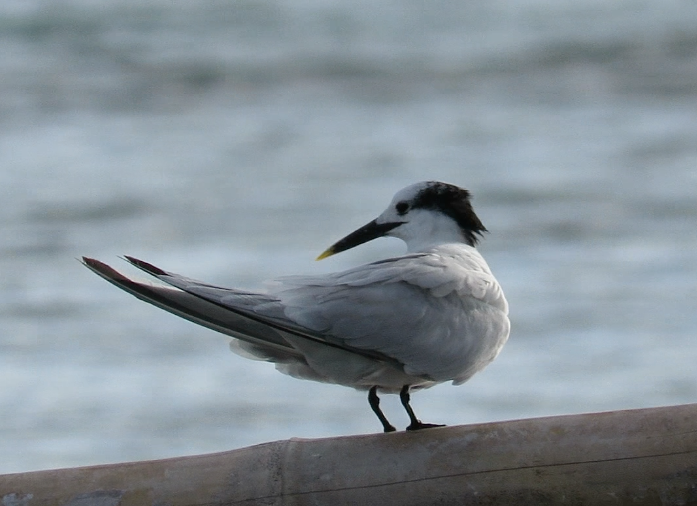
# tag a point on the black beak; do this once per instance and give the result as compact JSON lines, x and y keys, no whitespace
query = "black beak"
{"x":366,"y":233}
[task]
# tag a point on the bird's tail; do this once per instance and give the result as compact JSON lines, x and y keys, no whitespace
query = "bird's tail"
{"x":201,"y":311}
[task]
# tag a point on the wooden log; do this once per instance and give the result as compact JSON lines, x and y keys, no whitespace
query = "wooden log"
{"x":637,"y":457}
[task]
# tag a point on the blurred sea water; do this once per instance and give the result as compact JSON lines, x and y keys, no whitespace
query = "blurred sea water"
{"x":232,"y":141}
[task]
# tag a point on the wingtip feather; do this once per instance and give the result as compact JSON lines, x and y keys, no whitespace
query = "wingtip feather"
{"x":149,"y":268}
{"x":103,"y":269}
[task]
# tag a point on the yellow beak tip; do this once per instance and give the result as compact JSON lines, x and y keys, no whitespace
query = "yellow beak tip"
{"x":325,"y":254}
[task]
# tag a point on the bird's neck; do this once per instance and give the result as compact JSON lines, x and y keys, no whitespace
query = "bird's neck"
{"x":426,"y":233}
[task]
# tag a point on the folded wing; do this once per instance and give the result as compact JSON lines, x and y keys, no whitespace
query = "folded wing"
{"x":416,"y":318}
{"x":202,"y":312}
{"x":444,"y":318}
{"x":268,"y":334}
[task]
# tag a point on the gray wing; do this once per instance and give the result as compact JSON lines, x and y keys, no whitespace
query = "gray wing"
{"x":442,"y":317}
{"x":423,"y":314}
{"x":202,"y":312}
{"x":255,"y":318}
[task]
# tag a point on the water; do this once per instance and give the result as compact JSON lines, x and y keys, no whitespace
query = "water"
{"x":234,"y":141}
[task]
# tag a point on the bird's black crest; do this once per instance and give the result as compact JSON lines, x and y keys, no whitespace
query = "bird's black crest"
{"x":455,"y":202}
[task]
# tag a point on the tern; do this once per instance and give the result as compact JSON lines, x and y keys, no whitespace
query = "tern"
{"x":406,"y":323}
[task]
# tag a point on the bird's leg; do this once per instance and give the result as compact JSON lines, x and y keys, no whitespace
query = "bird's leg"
{"x":374,"y":402}
{"x":416,"y":424}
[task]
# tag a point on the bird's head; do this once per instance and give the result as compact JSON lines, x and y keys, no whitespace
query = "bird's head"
{"x":422,"y":215}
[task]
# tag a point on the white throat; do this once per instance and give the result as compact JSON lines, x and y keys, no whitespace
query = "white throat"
{"x":426,"y":229}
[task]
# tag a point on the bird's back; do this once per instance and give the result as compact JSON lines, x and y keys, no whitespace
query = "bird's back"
{"x":440,"y":312}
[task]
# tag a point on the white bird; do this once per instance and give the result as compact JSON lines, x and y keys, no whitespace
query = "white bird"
{"x":432,"y":315}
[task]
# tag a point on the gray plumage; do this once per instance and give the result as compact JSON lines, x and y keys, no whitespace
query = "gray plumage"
{"x":435,"y":314}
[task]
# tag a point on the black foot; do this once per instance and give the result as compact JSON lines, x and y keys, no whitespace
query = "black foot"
{"x":415,"y":424}
{"x":421,"y":425}
{"x":374,"y":402}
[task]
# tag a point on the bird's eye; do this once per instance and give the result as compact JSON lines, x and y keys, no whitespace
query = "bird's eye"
{"x":402,"y":208}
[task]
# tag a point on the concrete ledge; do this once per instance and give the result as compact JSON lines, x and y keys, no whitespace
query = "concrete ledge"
{"x":638,"y":457}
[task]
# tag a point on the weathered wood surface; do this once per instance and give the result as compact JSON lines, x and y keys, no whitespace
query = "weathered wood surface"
{"x":637,"y":457}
